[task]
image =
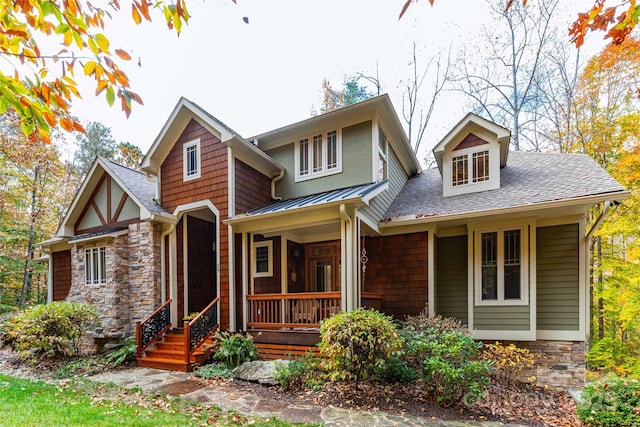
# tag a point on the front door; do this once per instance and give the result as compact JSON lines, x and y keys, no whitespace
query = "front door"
{"x":201,"y":261}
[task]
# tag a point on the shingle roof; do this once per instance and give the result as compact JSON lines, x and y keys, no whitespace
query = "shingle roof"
{"x":319,"y":199}
{"x":137,"y":185}
{"x":528,"y":179}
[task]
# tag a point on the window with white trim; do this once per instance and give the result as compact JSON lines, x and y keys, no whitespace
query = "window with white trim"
{"x":500,"y":267}
{"x":191,"y":162}
{"x":263,"y":259}
{"x":95,"y":266}
{"x":318,"y":155}
{"x":383,"y":147}
{"x":477,"y":168}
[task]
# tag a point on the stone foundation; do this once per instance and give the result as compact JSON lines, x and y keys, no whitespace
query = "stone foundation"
{"x":132,"y":290}
{"x":561,"y":365}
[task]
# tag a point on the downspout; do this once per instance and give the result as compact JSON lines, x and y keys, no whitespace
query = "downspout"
{"x":346,"y":256}
{"x":163,"y":274}
{"x":596,"y":225}
{"x":274,"y":180}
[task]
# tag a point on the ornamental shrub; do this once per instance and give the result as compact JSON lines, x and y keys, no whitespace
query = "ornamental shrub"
{"x":609,"y":402}
{"x":508,"y":360}
{"x":50,"y":330}
{"x":355,"y":343}
{"x":235,"y":349}
{"x":125,"y":353}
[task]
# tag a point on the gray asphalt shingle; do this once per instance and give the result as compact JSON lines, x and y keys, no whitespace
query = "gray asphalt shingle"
{"x":137,"y":184}
{"x":528,"y":179}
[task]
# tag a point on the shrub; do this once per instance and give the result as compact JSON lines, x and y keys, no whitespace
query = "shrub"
{"x":300,"y":372}
{"x":612,"y":401}
{"x":51,"y":330}
{"x":508,"y":360}
{"x":125,"y":353}
{"x":612,"y":355}
{"x":235,"y":349}
{"x":396,"y":369}
{"x":450,"y":372}
{"x":214,"y":370}
{"x":354,"y":343}
{"x":4,"y":308}
{"x":423,"y":322}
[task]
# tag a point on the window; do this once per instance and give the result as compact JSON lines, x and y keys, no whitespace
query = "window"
{"x":318,"y":155}
{"x":500,"y":267}
{"x":191,"y":155}
{"x":383,"y":145}
{"x":263,"y":259}
{"x":95,"y":266}
{"x":479,"y":168}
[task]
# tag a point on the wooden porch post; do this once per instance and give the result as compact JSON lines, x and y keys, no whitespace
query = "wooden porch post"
{"x":245,"y":280}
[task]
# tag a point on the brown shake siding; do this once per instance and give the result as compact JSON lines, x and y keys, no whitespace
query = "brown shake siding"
{"x":61,"y":274}
{"x":253,"y":189}
{"x":397,"y":270}
{"x":212,"y":185}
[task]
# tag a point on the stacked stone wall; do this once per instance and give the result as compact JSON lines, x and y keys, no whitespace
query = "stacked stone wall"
{"x":561,"y":365}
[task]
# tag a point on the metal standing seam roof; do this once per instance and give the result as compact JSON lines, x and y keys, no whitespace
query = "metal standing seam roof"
{"x":318,"y":199}
{"x":137,"y":184}
{"x":528,"y":179}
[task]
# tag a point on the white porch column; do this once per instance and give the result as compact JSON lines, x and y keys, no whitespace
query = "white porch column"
{"x":245,"y":279}
{"x":348,"y":279}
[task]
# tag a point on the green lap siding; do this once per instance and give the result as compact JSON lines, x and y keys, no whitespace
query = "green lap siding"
{"x":501,"y":318}
{"x":558,"y":277}
{"x":451,"y":286}
{"x":397,"y":178}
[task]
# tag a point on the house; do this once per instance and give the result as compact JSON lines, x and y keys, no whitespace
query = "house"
{"x":274,"y":233}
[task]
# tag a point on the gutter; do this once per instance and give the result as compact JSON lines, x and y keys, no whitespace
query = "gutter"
{"x":603,"y":214}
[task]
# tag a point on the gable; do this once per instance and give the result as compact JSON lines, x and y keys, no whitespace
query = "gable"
{"x":470,"y":141}
{"x":107,"y":206}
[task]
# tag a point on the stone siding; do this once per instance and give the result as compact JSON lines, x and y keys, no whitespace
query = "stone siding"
{"x":132,"y":290}
{"x":562,"y":365}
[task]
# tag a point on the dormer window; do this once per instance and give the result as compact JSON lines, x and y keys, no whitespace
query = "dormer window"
{"x":191,"y":163}
{"x":479,"y":168}
{"x":318,"y":155}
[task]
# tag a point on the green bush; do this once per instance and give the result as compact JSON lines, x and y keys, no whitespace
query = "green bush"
{"x":397,"y":369}
{"x":4,"y":308}
{"x":214,"y":370}
{"x":51,"y":330}
{"x":612,"y":355}
{"x":125,"y":353}
{"x":357,"y":342}
{"x":301,"y":372}
{"x":235,"y":349}
{"x":609,"y":402}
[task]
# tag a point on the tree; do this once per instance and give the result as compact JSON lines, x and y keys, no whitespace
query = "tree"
{"x":413,"y":111}
{"x":504,"y":86}
{"x":96,"y":141}
{"x":128,"y":155}
{"x":40,"y":97}
{"x":351,"y":93}
{"x":598,"y":18}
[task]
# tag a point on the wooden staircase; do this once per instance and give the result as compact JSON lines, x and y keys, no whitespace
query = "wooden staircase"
{"x":170,"y":353}
{"x":177,"y":349}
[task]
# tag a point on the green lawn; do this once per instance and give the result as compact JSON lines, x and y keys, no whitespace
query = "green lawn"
{"x":84,"y":403}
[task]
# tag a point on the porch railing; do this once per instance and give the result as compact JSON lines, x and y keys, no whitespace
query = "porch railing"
{"x":201,"y":328}
{"x":153,"y":327}
{"x":294,"y":310}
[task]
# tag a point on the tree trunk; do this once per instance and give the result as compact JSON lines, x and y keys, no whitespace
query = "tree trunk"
{"x":26,"y":278}
{"x":600,"y":280}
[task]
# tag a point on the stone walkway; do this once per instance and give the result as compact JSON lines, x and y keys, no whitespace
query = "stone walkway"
{"x":248,"y":403}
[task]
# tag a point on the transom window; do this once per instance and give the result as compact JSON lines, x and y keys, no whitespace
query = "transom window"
{"x":318,"y":155}
{"x":461,"y":166}
{"x":95,"y":266}
{"x":500,"y":270}
{"x":191,"y":155}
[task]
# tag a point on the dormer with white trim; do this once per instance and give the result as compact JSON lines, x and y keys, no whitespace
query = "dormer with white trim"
{"x":470,"y":156}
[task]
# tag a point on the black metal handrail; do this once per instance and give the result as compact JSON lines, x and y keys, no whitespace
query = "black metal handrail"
{"x":153,"y":327}
{"x":201,"y":327}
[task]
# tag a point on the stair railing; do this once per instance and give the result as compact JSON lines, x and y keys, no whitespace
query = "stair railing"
{"x":200,"y":328}
{"x":153,"y":327}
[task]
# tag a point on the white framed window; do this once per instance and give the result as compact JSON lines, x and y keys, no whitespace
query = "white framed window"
{"x":476,"y":170}
{"x":262,"y":259}
{"x":318,"y":155}
{"x":191,"y":160}
{"x":95,"y":266}
{"x":383,"y":147}
{"x":501,"y":267}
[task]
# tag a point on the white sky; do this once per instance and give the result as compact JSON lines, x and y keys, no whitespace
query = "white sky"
{"x":259,"y":76}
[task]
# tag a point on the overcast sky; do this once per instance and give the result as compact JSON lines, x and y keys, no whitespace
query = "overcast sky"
{"x":265,"y":74}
